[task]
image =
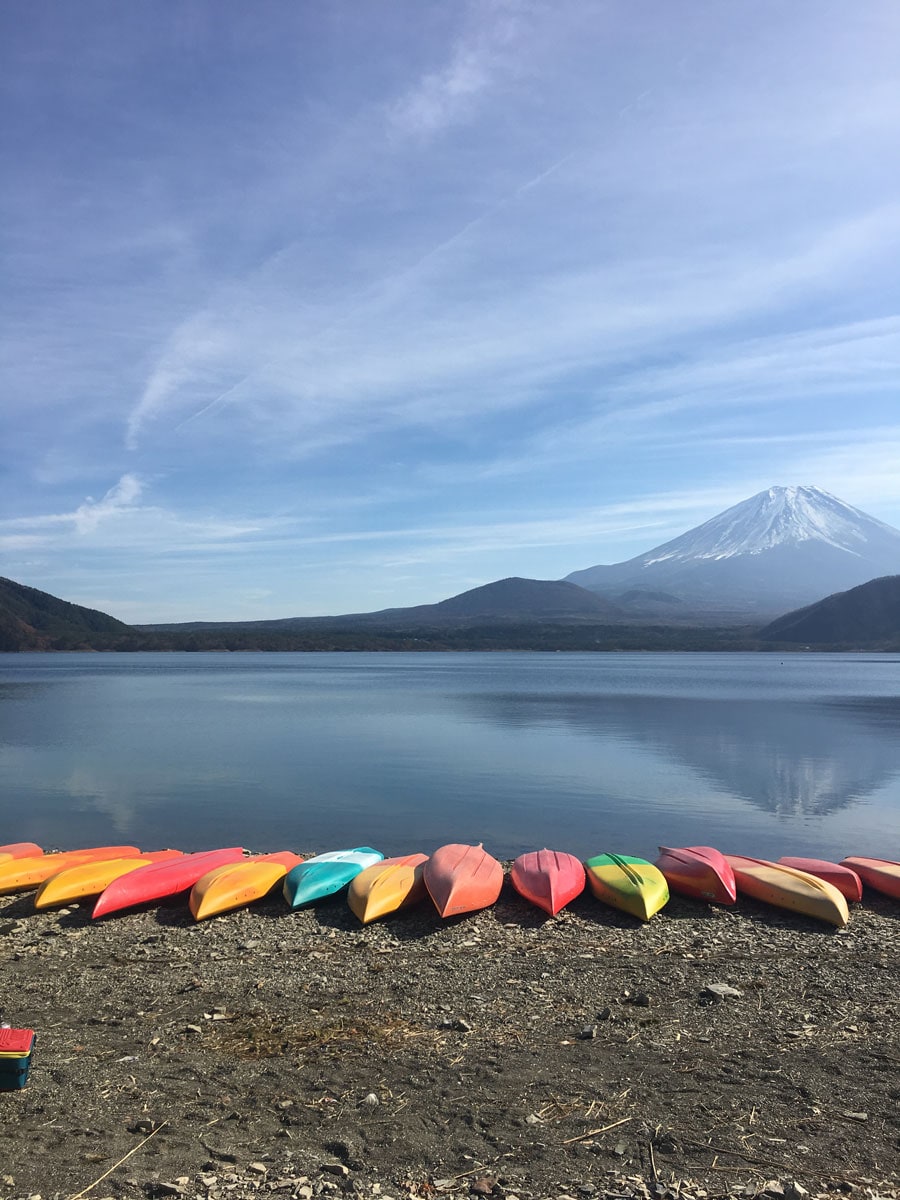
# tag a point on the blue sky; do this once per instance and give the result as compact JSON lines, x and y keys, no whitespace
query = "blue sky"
{"x":318,"y":308}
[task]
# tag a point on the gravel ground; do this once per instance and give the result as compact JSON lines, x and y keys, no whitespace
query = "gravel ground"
{"x":298,"y":1054}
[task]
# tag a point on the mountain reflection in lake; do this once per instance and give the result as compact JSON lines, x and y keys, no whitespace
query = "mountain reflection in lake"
{"x":581,"y":752}
{"x":788,"y":758}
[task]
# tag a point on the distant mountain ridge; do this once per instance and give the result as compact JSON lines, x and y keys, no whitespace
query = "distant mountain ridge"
{"x":868,"y":615}
{"x":34,"y":620}
{"x":778,"y":550}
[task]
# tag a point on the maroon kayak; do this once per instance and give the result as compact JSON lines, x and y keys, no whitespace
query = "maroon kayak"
{"x":701,"y":872}
{"x":847,"y":882}
{"x":158,"y":880}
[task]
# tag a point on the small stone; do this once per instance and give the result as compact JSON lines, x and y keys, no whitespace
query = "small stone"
{"x":588,"y":1033}
{"x":605,"y":1014}
{"x":171,"y":1189}
{"x":641,"y":1000}
{"x":192,"y":1029}
{"x":141,"y":1127}
{"x":461,"y":1025}
{"x":718,"y":992}
{"x":532,"y":1119}
{"x":336,"y":1169}
{"x":856,"y":1116}
{"x":483,"y":1186}
{"x":258,"y":1168}
{"x":370,"y":1101}
{"x":795,"y":1191}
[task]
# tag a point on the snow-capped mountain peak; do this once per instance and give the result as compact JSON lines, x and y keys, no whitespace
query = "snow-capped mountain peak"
{"x":782,"y":548}
{"x":779,"y":516}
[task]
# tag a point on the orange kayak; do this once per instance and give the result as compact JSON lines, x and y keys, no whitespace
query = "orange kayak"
{"x":882,"y":874}
{"x":462,"y":879}
{"x":237,"y":884}
{"x":90,"y":878}
{"x":789,"y":888}
{"x":387,"y":885}
{"x":847,"y":882}
{"x":550,"y":879}
{"x":22,"y":874}
{"x":20,"y":850}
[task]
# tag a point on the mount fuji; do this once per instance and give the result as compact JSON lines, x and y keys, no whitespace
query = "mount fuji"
{"x":781,"y":549}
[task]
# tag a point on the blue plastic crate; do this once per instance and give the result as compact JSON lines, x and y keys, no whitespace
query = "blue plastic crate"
{"x":14,"y":1073}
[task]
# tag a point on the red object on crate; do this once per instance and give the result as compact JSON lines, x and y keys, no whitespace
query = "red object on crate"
{"x":16,"y":1042}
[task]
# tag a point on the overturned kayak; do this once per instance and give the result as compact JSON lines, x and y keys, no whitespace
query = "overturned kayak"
{"x":786,"y":887}
{"x":462,"y":878}
{"x":161,"y":879}
{"x":20,"y":850}
{"x":882,"y":874}
{"x":700,"y":872}
{"x":387,"y":886}
{"x":324,"y":874}
{"x":235,"y":885}
{"x":847,"y":882}
{"x":89,"y":879}
{"x":22,"y":874}
{"x":631,"y":884}
{"x":550,"y":879}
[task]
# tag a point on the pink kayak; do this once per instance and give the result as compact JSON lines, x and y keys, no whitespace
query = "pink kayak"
{"x":550,"y":879}
{"x":462,"y":879}
{"x":161,"y":879}
{"x":701,"y":872}
{"x":882,"y":874}
{"x":847,"y":882}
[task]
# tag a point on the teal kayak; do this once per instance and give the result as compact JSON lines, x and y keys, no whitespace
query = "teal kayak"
{"x":325,"y":874}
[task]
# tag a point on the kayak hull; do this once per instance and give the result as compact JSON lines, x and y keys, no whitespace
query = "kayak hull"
{"x":236,"y":885}
{"x":882,"y":874}
{"x":22,"y":874}
{"x":325,"y":874}
{"x":847,"y":882}
{"x":462,"y":879}
{"x":90,"y":879}
{"x":700,"y":872}
{"x":549,"y":879}
{"x":161,"y":879}
{"x":20,"y":850}
{"x":632,"y":885}
{"x":387,"y":886}
{"x":786,"y":887}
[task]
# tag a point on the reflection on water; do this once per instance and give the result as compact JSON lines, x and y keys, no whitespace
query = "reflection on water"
{"x":404,"y":752}
{"x":783,"y":756}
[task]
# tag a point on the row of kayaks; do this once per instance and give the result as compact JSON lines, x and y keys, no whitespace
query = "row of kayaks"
{"x":459,"y":878}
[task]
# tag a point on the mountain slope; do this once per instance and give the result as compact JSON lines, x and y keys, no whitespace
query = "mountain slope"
{"x":783,"y":548}
{"x":864,"y":616}
{"x":510,"y":599}
{"x":33,"y":620}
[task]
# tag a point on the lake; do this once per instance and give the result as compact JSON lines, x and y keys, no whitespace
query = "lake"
{"x":753,"y":753}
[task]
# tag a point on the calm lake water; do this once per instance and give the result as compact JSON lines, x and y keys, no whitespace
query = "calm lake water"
{"x":751,"y":753}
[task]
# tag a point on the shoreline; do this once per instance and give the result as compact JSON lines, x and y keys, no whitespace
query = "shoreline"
{"x":300,"y":1054}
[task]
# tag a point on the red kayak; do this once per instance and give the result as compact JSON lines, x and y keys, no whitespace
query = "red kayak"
{"x":700,"y":872}
{"x":882,"y":874}
{"x":462,"y":879}
{"x":20,"y":850}
{"x":847,"y":882}
{"x":548,"y":878}
{"x":161,"y":879}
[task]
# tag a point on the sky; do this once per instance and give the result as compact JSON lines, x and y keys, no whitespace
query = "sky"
{"x":315,"y":308}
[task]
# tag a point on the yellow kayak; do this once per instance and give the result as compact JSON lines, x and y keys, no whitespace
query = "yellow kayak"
{"x":235,"y":885}
{"x":387,"y":885}
{"x":22,"y":874}
{"x":20,"y":850}
{"x":789,"y":888}
{"x":90,"y":878}
{"x":631,"y":884}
